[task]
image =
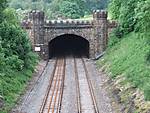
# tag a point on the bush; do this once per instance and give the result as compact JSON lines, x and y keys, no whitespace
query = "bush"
{"x":114,"y":8}
{"x":113,"y":39}
{"x":14,"y":63}
{"x":17,"y":61}
{"x":3,"y":4}
{"x":132,"y":15}
{"x":14,"y":41}
{"x":143,"y":16}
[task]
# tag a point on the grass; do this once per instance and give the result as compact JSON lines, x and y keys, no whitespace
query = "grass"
{"x":11,"y":86}
{"x":130,"y":57}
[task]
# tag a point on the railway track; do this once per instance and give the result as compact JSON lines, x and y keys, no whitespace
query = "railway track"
{"x":91,"y":88}
{"x":77,"y":87}
{"x":52,"y":100}
{"x":86,"y":101}
{"x":81,"y":85}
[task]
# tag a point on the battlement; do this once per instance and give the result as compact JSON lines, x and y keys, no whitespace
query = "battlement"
{"x":37,"y":18}
{"x":68,"y":22}
{"x":39,"y":15}
{"x":100,"y":14}
{"x":27,"y":24}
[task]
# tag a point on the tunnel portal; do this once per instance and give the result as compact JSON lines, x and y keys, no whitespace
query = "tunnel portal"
{"x":69,"y":45}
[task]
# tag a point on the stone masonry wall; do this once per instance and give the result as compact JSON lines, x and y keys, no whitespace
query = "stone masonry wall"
{"x":43,"y":31}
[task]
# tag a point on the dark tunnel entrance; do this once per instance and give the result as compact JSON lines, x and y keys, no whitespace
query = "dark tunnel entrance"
{"x":69,"y":45}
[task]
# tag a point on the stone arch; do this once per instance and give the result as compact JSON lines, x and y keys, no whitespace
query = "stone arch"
{"x":78,"y":32}
{"x":68,"y":44}
{"x":95,"y":31}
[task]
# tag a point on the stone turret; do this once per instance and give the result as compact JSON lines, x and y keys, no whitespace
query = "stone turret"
{"x":100,"y":14}
{"x":37,"y":18}
{"x":100,"y":30}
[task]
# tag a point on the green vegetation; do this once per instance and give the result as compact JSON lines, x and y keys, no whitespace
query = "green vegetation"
{"x":129,"y":58}
{"x":128,"y":53}
{"x":60,"y":8}
{"x":87,"y":17}
{"x":67,"y":9}
{"x":16,"y":58}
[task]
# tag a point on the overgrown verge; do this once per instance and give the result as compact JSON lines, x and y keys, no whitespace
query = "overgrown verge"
{"x":17,"y":61}
{"x":126,"y":62}
{"x":128,"y":53}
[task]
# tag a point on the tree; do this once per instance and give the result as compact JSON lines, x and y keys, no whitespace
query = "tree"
{"x":70,"y":10}
{"x":3,"y":5}
{"x":14,"y":42}
{"x":114,"y":8}
{"x":95,"y":4}
{"x":125,"y":13}
{"x":52,"y":7}
{"x":81,"y":6}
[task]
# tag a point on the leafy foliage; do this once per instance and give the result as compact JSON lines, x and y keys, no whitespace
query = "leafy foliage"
{"x":53,"y":8}
{"x":129,"y":58}
{"x":70,"y":10}
{"x":16,"y":57}
{"x":2,"y":7}
{"x":67,"y":9}
{"x":142,"y":16}
{"x":129,"y":48}
{"x":132,"y":15}
{"x":114,"y":8}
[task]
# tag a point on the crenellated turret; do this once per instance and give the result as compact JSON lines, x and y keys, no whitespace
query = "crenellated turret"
{"x":100,"y":24}
{"x":100,"y":14}
{"x":36,"y":15}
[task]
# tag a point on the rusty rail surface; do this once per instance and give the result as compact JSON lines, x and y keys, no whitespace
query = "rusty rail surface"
{"x":53,"y":97}
{"x":77,"y":87}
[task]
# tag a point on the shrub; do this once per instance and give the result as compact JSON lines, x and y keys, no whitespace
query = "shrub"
{"x":132,"y":15}
{"x":114,"y":8}
{"x":17,"y":61}
{"x":143,"y":16}
{"x":14,"y":41}
{"x":14,"y":63}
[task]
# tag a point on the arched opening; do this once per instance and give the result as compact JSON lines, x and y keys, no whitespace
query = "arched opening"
{"x":69,"y":45}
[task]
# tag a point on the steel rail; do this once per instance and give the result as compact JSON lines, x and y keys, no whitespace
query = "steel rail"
{"x":90,"y":87}
{"x":53,"y":98}
{"x":53,"y":88}
{"x":48,"y":88}
{"x":61,"y":90}
{"x":77,"y":87}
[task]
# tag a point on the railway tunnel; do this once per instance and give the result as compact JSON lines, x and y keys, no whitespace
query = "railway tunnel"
{"x":69,"y":45}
